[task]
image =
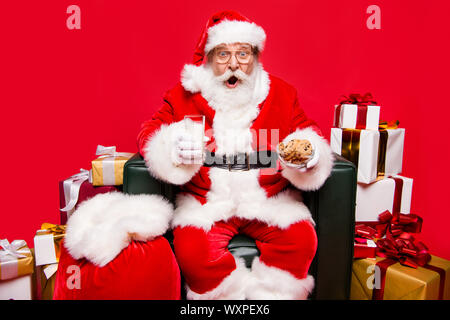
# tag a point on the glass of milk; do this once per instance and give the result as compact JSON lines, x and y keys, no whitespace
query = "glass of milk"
{"x":195,"y":125}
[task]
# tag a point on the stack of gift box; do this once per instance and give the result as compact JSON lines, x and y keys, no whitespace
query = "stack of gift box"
{"x":389,"y":261}
{"x":30,"y":273}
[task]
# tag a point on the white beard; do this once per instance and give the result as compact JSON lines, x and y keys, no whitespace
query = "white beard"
{"x":236,"y":108}
{"x":220,"y":97}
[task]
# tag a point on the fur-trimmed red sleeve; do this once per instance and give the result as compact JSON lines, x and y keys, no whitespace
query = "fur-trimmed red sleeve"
{"x":156,"y":145}
{"x":163,"y":116}
{"x":304,"y":128}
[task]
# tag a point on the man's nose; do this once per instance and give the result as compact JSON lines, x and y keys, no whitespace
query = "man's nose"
{"x":234,"y":65}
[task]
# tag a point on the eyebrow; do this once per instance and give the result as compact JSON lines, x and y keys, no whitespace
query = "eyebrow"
{"x":242,"y":47}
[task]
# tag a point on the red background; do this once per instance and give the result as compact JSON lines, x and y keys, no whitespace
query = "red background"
{"x":65,"y":91}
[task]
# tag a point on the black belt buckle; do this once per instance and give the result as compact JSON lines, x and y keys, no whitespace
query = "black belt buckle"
{"x":247,"y":163}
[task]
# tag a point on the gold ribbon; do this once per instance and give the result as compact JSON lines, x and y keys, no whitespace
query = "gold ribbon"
{"x":383,"y":125}
{"x":350,"y":145}
{"x":382,"y":145}
{"x":55,"y":229}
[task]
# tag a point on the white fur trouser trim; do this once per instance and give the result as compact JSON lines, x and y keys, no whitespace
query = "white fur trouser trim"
{"x":231,"y":288}
{"x":270,"y":283}
{"x":260,"y":283}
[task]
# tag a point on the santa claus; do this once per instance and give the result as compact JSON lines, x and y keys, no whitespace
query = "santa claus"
{"x":228,"y":85}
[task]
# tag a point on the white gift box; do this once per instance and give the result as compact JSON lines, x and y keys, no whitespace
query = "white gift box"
{"x":367,"y":152}
{"x":394,"y":151}
{"x":44,"y":249}
{"x":362,"y":148}
{"x":377,"y":197}
{"x":17,"y":289}
{"x":352,"y":116}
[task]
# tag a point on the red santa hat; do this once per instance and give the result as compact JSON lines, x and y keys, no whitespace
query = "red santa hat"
{"x":228,"y":27}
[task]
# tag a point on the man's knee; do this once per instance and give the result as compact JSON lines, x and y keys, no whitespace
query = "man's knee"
{"x":197,"y":253}
{"x":293,"y":249}
{"x":191,"y":247}
{"x":305,"y":238}
{"x":202,"y":267}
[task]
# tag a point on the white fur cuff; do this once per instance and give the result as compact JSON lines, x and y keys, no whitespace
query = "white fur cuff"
{"x":315,"y":177}
{"x":158,"y":157}
{"x":105,"y":224}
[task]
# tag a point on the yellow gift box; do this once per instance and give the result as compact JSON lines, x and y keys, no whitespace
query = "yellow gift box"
{"x":107,"y":170}
{"x":47,"y":246}
{"x":431,"y":282}
{"x":16,"y":259}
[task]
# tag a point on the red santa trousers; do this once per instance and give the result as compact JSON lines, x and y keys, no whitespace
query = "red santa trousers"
{"x":205,"y":261}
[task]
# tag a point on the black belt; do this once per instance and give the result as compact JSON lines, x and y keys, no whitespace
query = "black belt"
{"x":242,"y":161}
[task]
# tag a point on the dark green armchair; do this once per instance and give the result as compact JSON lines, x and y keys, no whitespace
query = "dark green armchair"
{"x":332,"y":208}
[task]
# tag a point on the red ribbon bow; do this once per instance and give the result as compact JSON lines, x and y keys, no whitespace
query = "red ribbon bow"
{"x":398,"y":243}
{"x":356,"y":98}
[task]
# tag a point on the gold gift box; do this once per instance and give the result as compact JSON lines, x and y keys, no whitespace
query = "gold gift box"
{"x":24,"y":265}
{"x":44,"y":286}
{"x":45,"y":280}
{"x":108,"y":171}
{"x":401,"y":283}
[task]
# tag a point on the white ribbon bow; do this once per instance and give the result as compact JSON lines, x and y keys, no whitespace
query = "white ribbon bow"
{"x":11,"y":249}
{"x":104,"y":152}
{"x":74,"y":183}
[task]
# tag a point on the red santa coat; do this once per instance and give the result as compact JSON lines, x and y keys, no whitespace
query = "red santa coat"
{"x":277,"y":109}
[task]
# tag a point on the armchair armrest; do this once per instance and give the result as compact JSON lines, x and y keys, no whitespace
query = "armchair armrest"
{"x":333,"y":209}
{"x":137,"y":180}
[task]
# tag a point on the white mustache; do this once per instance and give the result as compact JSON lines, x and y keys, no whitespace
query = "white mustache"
{"x":228,"y":74}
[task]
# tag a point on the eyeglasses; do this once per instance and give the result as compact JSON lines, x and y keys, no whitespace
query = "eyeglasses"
{"x":243,"y":56}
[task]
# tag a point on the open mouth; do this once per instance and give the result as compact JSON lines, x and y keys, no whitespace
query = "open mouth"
{"x":232,"y":82}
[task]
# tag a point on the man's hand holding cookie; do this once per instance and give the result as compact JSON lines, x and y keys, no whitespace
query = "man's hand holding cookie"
{"x":299,"y":152}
